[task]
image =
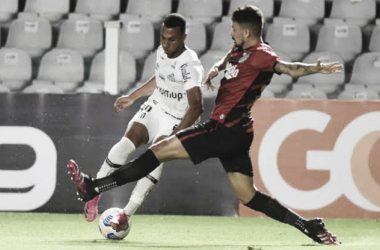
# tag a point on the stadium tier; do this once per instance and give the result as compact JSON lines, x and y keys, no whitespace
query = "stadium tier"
{"x":71,"y":33}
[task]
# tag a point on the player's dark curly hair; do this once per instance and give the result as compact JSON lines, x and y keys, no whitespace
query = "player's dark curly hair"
{"x":251,"y":17}
{"x":175,"y":20}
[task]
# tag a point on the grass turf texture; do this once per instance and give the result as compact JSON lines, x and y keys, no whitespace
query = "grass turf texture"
{"x":39,"y":231}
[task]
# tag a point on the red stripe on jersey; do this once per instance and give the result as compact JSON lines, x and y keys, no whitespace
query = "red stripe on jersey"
{"x":246,"y":73}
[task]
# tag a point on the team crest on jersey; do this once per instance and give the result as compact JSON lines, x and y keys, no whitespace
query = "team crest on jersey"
{"x":171,"y":77}
{"x":244,"y":57}
{"x":231,"y":71}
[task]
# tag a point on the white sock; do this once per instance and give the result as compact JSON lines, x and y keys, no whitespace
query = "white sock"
{"x":141,"y":190}
{"x":117,"y":155}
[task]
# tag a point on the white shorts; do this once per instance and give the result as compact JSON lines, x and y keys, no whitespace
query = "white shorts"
{"x":157,"y":121}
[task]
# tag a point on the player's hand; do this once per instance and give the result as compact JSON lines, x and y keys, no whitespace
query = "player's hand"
{"x":123,"y":102}
{"x":120,"y":222}
{"x":210,"y":75}
{"x":329,"y":68}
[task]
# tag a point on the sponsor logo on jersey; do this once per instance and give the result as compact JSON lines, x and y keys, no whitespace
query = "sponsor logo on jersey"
{"x":170,"y":94}
{"x":231,"y":71}
{"x":162,"y":77}
{"x":185,"y":74}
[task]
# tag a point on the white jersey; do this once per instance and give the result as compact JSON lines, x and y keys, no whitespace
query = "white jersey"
{"x":174,"y":76}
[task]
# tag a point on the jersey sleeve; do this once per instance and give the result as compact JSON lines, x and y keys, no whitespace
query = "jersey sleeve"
{"x":192,"y":75}
{"x":265,"y":60}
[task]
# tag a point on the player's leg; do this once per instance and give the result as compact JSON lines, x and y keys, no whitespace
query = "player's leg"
{"x":242,"y":182}
{"x":193,"y":141}
{"x":135,"y":136}
{"x":142,"y":190}
{"x":143,"y":187}
{"x":137,"y":133}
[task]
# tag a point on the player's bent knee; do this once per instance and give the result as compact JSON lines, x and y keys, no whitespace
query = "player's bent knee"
{"x":169,"y":149}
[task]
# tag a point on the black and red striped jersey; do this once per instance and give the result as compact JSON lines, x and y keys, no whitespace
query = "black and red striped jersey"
{"x":248,"y":72}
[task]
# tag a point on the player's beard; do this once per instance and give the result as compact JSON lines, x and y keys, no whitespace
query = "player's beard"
{"x":237,"y":45}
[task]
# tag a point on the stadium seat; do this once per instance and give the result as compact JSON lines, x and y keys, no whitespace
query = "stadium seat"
{"x":30,"y":33}
{"x":305,"y":92}
{"x":196,"y":36}
{"x":52,"y":10}
{"x":42,"y":88}
{"x":341,"y":38}
{"x":4,"y":89}
{"x":366,"y":70}
{"x":355,"y":12}
{"x":148,"y":69}
{"x":151,"y":10}
{"x":15,"y":68}
{"x":207,"y":11}
{"x":328,"y":83}
{"x":374,"y":44}
{"x":127,"y":73}
{"x":61,"y":67}
{"x":291,"y":38}
{"x":266,"y":6}
{"x":280,"y":83}
{"x":8,"y":9}
{"x":208,"y":60}
{"x":136,"y":36}
{"x":147,"y":72}
{"x":82,"y":34}
{"x":98,"y":9}
{"x":303,"y":11}
{"x":359,"y":93}
{"x":221,"y":39}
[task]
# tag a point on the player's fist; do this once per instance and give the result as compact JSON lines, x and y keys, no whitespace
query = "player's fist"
{"x":123,"y":102}
{"x":210,"y":75}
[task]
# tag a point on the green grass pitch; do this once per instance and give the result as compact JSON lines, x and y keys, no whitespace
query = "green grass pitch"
{"x":39,"y":231}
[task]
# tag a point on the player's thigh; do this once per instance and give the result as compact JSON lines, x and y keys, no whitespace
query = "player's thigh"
{"x":239,"y":162}
{"x":137,"y":133}
{"x":169,"y":149}
{"x":198,"y":140}
{"x":165,"y":126}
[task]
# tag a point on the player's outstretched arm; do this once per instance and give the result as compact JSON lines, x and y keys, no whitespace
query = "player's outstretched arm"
{"x":213,"y":72}
{"x":127,"y":100}
{"x":298,"y":69}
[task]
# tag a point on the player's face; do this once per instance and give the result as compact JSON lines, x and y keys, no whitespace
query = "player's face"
{"x":237,"y":34}
{"x":172,"y":41}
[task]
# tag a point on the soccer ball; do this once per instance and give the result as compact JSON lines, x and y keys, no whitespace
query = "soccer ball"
{"x":106,"y":229}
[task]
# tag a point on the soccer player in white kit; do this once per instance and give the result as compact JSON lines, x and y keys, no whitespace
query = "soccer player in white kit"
{"x":176,"y":103}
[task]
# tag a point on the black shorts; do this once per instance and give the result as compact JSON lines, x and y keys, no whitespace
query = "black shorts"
{"x":212,"y":139}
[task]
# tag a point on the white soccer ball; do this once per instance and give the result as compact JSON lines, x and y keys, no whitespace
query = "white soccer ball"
{"x":106,"y":229}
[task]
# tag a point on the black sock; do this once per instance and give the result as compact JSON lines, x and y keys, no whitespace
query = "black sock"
{"x":132,"y":171}
{"x":264,"y":203}
{"x":271,"y":207}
